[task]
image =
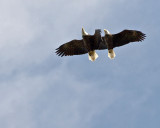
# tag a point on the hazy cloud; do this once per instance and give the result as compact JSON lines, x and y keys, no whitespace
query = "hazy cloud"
{"x":39,"y":89}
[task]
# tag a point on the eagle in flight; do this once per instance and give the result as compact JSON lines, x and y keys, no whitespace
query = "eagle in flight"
{"x":90,"y":43}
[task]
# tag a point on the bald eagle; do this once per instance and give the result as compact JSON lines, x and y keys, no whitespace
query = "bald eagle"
{"x":122,"y":38}
{"x":90,"y":43}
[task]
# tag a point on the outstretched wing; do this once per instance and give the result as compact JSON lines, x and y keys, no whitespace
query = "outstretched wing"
{"x":127,"y":36}
{"x":74,"y":47}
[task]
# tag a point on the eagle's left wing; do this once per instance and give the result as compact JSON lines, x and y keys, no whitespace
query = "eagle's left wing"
{"x":127,"y":36}
{"x":74,"y":47}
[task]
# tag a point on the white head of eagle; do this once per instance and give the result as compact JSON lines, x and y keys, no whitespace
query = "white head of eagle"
{"x":106,"y":31}
{"x":84,"y":32}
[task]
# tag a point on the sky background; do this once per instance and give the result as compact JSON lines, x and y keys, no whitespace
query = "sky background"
{"x":39,"y":89}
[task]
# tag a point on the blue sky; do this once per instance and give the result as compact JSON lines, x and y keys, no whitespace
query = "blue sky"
{"x":41,"y":90}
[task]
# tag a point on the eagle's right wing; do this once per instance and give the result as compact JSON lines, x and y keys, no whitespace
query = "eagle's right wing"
{"x":127,"y":36}
{"x":74,"y":47}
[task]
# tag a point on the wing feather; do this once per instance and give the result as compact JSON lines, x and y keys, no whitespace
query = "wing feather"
{"x":127,"y":36}
{"x":74,"y":47}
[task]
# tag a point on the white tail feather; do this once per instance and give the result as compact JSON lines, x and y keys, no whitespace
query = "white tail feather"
{"x":92,"y":55}
{"x":111,"y":54}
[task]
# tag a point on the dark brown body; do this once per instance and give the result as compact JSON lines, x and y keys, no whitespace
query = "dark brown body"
{"x":91,"y":42}
{"x":109,"y":41}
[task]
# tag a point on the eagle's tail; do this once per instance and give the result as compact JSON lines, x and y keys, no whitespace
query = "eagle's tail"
{"x":92,"y":55}
{"x":111,"y":54}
